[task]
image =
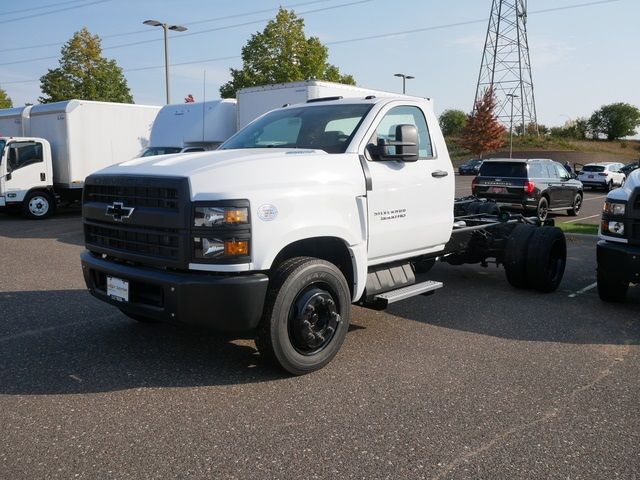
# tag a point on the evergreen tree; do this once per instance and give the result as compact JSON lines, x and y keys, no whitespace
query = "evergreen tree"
{"x":282,"y":53}
{"x":84,"y":74}
{"x":483,"y":132}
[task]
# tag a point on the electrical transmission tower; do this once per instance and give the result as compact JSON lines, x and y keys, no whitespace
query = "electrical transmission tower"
{"x":506,"y":65}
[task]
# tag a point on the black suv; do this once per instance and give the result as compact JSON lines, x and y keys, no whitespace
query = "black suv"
{"x":539,"y":185}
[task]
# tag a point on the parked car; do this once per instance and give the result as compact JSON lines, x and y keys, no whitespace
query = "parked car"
{"x":602,"y":175}
{"x":534,"y":185}
{"x":472,"y":167}
{"x":630,"y":167}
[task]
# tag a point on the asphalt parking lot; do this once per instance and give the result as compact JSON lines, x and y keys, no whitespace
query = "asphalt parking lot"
{"x":477,"y":381}
{"x":589,"y":214}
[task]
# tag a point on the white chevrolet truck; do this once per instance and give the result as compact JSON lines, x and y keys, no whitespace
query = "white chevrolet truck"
{"x":618,"y":250}
{"x":308,"y":209}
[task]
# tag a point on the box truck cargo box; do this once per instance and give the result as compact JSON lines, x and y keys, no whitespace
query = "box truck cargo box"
{"x":14,"y":122}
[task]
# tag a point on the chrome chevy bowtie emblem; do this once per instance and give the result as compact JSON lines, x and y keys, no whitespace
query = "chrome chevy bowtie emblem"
{"x":118,"y":211}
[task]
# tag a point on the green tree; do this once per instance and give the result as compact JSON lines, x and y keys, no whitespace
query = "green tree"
{"x":5,"y":101}
{"x":282,"y":53}
{"x":483,"y":132}
{"x":452,"y":122}
{"x":615,"y":121}
{"x":84,"y":74}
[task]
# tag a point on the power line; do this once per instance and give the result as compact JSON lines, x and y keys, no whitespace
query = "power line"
{"x":352,"y":40}
{"x":58,"y":10}
{"x":40,"y":7}
{"x":199,"y":32}
{"x":148,"y":31}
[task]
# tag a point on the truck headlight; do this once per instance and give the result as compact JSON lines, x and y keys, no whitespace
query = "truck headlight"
{"x":614,"y":208}
{"x":612,"y":227}
{"x":220,"y":249}
{"x":219,"y":216}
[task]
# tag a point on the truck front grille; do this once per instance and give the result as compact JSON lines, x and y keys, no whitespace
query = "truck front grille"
{"x":150,"y":242}
{"x":134,"y":196}
{"x":155,"y":229}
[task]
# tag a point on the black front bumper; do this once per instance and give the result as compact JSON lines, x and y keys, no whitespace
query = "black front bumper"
{"x":619,"y":260}
{"x":231,"y":303}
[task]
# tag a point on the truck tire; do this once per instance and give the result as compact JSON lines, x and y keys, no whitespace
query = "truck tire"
{"x":577,"y":205}
{"x":515,"y":256}
{"x":611,"y":289}
{"x":542,"y":210}
{"x":306,"y":315}
{"x":38,"y":205}
{"x":424,"y":265}
{"x":546,"y":259}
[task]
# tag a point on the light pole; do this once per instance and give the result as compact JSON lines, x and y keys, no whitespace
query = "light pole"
{"x":404,"y":80}
{"x":513,"y":97}
{"x":165,"y":27}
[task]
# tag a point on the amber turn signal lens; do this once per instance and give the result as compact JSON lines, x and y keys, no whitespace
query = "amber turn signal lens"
{"x":236,"y":247}
{"x":235,"y":215}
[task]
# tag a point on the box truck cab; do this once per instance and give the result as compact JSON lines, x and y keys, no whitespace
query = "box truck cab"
{"x":62,"y":144}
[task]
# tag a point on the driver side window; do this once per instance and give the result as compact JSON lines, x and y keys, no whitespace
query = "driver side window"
{"x":22,"y":154}
{"x":406,"y":115}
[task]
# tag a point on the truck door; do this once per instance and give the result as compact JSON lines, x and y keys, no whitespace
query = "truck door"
{"x":410,"y":204}
{"x":26,"y":169}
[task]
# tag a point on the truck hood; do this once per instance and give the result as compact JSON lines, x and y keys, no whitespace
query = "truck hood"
{"x":225,"y":173}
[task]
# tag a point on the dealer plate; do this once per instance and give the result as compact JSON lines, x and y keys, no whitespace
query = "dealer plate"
{"x":118,"y":289}
{"x":498,"y":190}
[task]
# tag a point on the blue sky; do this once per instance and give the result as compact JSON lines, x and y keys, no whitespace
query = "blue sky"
{"x":582,"y":57}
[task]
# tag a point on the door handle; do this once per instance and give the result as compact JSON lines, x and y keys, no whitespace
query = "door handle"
{"x":439,"y":174}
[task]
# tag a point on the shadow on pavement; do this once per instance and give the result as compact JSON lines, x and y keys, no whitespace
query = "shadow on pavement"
{"x":66,"y":342}
{"x":65,"y":226}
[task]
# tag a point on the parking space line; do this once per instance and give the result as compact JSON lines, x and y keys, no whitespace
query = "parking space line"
{"x":581,"y":218}
{"x":584,"y":199}
{"x":584,"y":290}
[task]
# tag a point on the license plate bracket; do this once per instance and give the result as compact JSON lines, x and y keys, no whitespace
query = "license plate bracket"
{"x":118,"y":289}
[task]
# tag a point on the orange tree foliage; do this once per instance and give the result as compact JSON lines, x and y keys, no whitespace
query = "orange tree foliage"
{"x":483,"y":132}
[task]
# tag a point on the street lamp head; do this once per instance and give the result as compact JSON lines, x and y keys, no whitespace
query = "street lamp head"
{"x":177,"y":28}
{"x":409,"y":77}
{"x":398,"y":74}
{"x":153,"y":23}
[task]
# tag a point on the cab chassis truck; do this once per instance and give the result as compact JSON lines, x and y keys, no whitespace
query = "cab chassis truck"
{"x":306,"y":210}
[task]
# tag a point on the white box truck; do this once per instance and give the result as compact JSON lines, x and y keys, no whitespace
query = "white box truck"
{"x":190,"y":127}
{"x":256,"y":101}
{"x":63,"y":144}
{"x":14,"y":122}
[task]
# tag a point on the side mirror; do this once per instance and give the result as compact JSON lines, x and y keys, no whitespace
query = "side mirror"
{"x":404,"y":148}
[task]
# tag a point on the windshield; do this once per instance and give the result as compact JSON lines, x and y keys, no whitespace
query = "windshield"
{"x":153,"y":151}
{"x":593,"y":168}
{"x":322,"y":127}
{"x":2,"y":144}
{"x":503,"y":169}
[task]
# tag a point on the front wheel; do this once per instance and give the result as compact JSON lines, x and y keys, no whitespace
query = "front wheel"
{"x":306,"y":315}
{"x":577,"y":205}
{"x":610,"y":186}
{"x":38,"y":205}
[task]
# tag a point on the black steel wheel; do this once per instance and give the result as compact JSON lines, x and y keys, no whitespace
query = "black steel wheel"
{"x":610,"y":288}
{"x":546,"y":258}
{"x":542,"y":211}
{"x":306,"y":315}
{"x":515,"y":255}
{"x":577,"y":205}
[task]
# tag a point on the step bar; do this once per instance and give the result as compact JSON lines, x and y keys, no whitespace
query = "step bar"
{"x":382,"y":300}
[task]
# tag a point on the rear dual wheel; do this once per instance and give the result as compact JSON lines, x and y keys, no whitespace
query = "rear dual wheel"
{"x":535,"y":257}
{"x":306,"y":315}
